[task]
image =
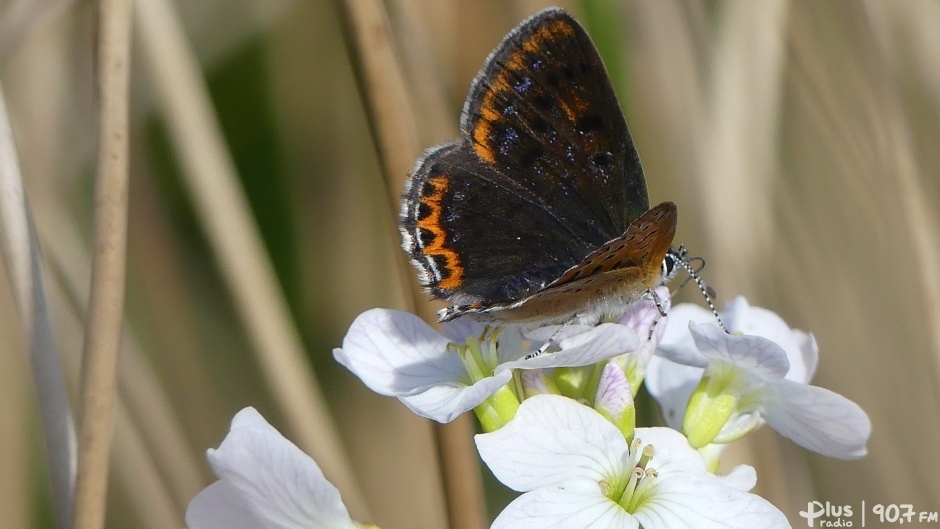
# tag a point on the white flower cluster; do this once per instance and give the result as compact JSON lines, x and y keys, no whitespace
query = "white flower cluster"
{"x":561,"y":425}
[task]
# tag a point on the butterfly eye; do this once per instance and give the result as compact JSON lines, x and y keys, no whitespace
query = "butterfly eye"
{"x":669,"y":265}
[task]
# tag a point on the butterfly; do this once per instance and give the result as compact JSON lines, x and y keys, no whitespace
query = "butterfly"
{"x":539,"y":213}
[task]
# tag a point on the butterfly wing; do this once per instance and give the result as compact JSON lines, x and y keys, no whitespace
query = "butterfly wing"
{"x":604,"y":283}
{"x":643,"y":246}
{"x":545,"y":173}
{"x":477,"y":237}
{"x":544,"y":113}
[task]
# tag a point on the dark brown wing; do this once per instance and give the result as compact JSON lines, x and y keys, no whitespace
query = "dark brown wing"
{"x":479,"y":238}
{"x":544,"y":114}
{"x":545,"y":173}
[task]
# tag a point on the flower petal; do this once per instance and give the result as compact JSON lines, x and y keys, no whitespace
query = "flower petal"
{"x":462,"y":328}
{"x":741,"y":477}
{"x":556,"y":332}
{"x":682,"y":501}
{"x":614,"y":395}
{"x":537,"y":382}
{"x":577,"y":504}
{"x":596,"y":345}
{"x":396,"y":353}
{"x":741,"y":318}
{"x":755,"y":354}
{"x":551,"y":440}
{"x":277,"y":482}
{"x":444,"y":403}
{"x":220,"y":506}
{"x":818,"y":419}
{"x":672,"y":452}
{"x":804,"y":360}
{"x":676,"y":343}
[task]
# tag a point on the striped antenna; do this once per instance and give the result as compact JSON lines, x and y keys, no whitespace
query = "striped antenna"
{"x":679,"y":258}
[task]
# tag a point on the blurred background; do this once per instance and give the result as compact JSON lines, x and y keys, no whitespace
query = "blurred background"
{"x":799,"y":140}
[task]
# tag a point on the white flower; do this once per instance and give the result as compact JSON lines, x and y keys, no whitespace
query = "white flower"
{"x":757,"y":373}
{"x":577,"y":471}
{"x":265,"y":482}
{"x":440,"y":376}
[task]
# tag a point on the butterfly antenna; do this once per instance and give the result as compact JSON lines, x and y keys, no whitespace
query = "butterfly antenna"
{"x":707,"y":292}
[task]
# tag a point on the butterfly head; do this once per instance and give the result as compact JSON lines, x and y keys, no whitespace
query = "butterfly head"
{"x":678,"y":259}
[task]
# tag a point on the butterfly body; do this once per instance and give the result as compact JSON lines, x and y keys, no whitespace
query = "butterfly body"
{"x":539,"y":213}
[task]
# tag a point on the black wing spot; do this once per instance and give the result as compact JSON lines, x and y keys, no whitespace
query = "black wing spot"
{"x":540,"y":126}
{"x":426,"y":236}
{"x":589,"y":124}
{"x":603,"y":159}
{"x":531,"y":156}
{"x":424,"y":211}
{"x":542,"y":102}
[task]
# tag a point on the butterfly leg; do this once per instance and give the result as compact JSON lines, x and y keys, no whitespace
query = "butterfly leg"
{"x":551,"y":339}
{"x":659,"y":304}
{"x":659,"y":307}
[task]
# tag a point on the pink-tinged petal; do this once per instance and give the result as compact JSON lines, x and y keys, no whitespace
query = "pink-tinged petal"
{"x":396,"y":353}
{"x":462,"y":328}
{"x":741,"y":318}
{"x":220,"y":506}
{"x":818,"y":419}
{"x":537,"y":382}
{"x":682,"y":501}
{"x":278,"y":483}
{"x":755,"y":354}
{"x":596,"y":345}
{"x":444,"y":403}
{"x":614,"y":395}
{"x":676,"y":343}
{"x":578,"y":504}
{"x":671,"y":384}
{"x":551,"y":440}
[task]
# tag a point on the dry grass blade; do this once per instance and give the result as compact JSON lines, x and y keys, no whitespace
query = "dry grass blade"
{"x":224,"y":214}
{"x":21,"y":256}
{"x":144,"y":401}
{"x":391,"y":117}
{"x":106,"y":299}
